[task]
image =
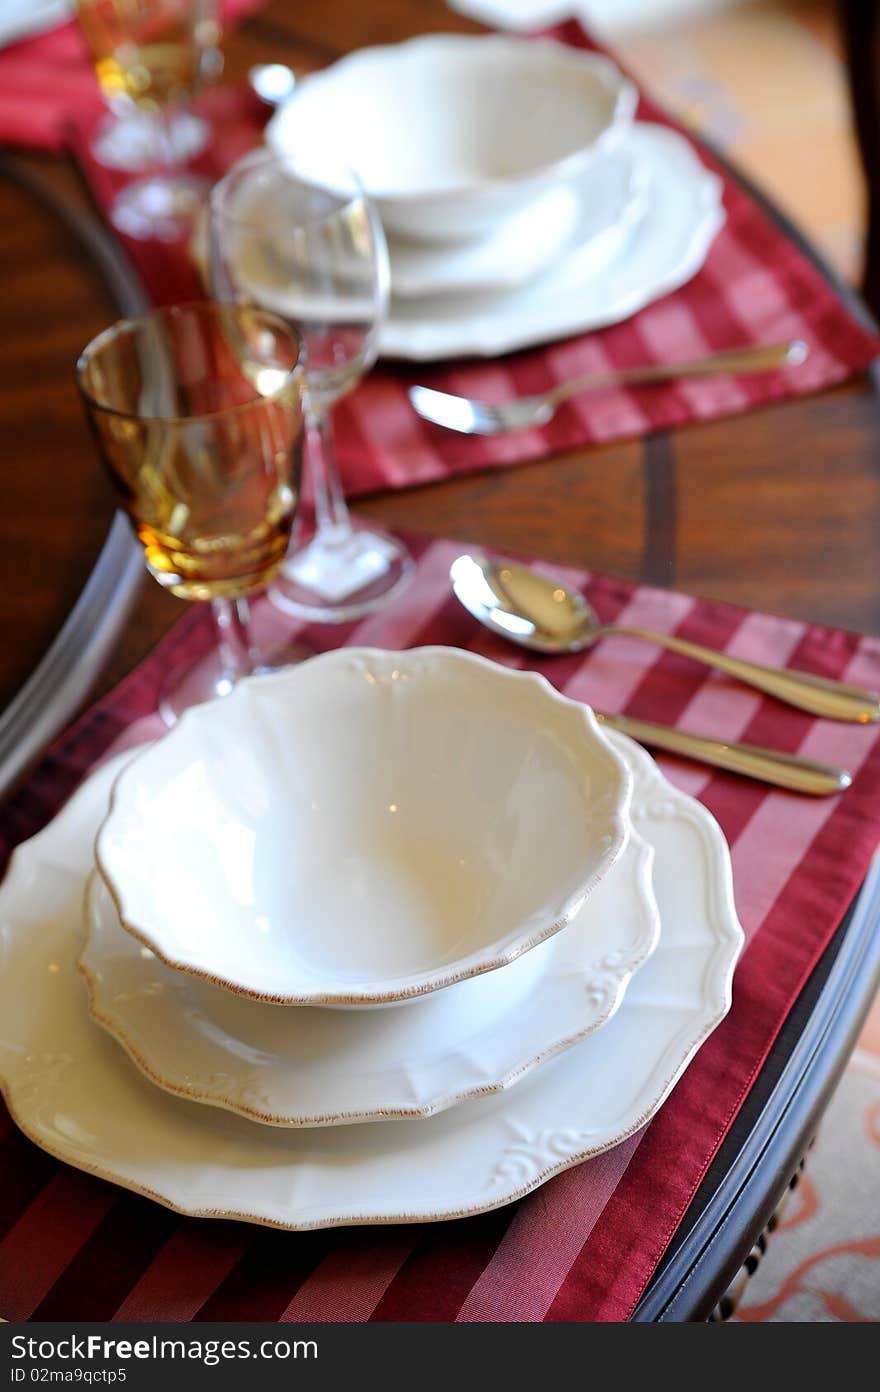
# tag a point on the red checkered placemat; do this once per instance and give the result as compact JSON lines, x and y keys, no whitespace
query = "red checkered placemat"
{"x":756,"y":287}
{"x":584,"y":1246}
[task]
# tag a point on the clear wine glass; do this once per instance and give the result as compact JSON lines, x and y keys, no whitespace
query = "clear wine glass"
{"x":150,"y":57}
{"x":197,"y":412}
{"x":306,"y":243}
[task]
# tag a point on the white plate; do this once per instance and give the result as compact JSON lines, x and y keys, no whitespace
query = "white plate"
{"x":73,"y":1091}
{"x":522,"y":246}
{"x":667,"y":246}
{"x":317,"y":1068}
{"x":21,"y":19}
{"x":371,"y":826}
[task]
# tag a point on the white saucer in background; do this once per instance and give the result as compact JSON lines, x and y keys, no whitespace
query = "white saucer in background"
{"x":525,"y":245}
{"x":681,"y":214}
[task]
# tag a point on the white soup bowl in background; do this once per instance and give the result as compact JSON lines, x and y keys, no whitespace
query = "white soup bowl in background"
{"x":452,"y":134}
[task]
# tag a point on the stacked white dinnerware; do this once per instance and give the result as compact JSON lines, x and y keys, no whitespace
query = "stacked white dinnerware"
{"x":521,"y":199}
{"x":390,"y":935}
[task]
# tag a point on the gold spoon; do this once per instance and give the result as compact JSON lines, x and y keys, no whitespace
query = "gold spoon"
{"x":471,"y":416}
{"x":768,"y":765}
{"x":539,"y":613}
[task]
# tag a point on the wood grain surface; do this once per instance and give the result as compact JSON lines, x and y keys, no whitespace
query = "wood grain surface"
{"x":778,"y":509}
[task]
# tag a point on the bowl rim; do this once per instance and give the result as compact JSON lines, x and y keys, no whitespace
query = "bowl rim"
{"x":605,"y":69}
{"x":490,"y":957}
{"x":102,"y":1008}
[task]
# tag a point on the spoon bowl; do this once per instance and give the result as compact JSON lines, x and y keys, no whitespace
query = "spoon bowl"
{"x":539,"y":613}
{"x":523,"y":605}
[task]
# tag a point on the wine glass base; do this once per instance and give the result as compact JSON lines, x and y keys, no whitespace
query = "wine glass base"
{"x":128,"y":141}
{"x":159,"y":209}
{"x":209,"y":678}
{"x":341,"y":575}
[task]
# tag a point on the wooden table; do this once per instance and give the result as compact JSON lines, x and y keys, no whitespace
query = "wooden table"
{"x":778,"y":509}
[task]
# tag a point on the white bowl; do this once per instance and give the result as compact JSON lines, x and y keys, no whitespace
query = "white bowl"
{"x":326,"y":1067}
{"x":365,"y":828}
{"x":450,"y":134}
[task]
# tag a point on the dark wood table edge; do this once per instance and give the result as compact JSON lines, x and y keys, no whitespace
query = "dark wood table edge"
{"x":62,"y":680}
{"x":789,"y":1098}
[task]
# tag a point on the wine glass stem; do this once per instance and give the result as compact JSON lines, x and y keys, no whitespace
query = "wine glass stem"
{"x":163,"y":142}
{"x":331,"y":511}
{"x":232,"y":618}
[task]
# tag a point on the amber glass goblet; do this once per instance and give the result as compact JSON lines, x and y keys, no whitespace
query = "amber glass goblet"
{"x":197,"y":411}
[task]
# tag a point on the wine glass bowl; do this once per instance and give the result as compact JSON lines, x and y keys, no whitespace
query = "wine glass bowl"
{"x":197,"y":413}
{"x":312,"y":255}
{"x":308,"y":245}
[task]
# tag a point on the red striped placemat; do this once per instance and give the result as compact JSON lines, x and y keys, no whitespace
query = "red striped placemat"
{"x":756,"y":287}
{"x":584,"y":1246}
